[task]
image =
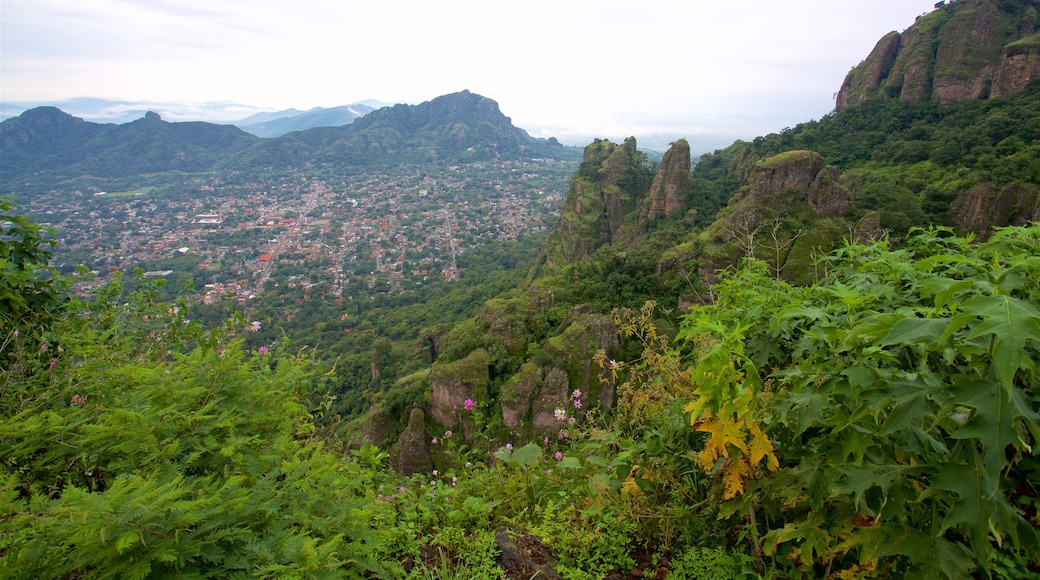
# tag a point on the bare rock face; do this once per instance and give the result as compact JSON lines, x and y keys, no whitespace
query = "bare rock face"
{"x":962,"y":51}
{"x":984,"y":205}
{"x":455,"y":382}
{"x":1021,"y":66}
{"x":862,"y":80}
{"x":667,"y":196}
{"x":411,"y":453}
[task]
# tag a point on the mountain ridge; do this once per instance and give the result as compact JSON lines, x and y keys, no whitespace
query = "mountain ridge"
{"x":46,"y":147}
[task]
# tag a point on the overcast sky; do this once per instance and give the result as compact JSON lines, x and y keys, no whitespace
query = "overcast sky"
{"x":569,"y":68}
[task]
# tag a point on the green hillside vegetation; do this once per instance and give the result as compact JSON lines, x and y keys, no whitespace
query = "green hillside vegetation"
{"x":880,"y":422}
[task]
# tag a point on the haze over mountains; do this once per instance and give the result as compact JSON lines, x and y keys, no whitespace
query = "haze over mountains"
{"x":46,"y":148}
{"x":246,"y":117}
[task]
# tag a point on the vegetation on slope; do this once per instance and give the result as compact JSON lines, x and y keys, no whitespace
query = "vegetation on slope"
{"x":880,"y":422}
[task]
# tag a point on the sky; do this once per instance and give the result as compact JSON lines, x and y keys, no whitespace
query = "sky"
{"x":709,"y":71}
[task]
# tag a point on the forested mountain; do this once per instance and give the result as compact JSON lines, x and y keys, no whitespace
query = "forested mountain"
{"x":45,"y":149}
{"x":809,"y":355}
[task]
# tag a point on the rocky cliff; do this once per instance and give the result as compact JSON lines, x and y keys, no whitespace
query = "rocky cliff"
{"x":964,"y":50}
{"x":608,"y":186}
{"x":670,"y":188}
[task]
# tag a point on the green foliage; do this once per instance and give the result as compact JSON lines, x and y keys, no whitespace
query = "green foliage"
{"x":28,"y":290}
{"x":899,"y":396}
{"x":149,"y":446}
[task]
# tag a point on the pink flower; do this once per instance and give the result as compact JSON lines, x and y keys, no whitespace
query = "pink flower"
{"x":576,"y":394}
{"x":560,"y":415}
{"x":262,"y":350}
{"x":572,"y":421}
{"x":509,"y":446}
{"x":447,"y":434}
{"x":43,"y":347}
{"x":558,"y":456}
{"x":254,"y":326}
{"x":468,"y":404}
{"x":545,"y":441}
{"x":563,"y":434}
{"x":434,"y":441}
{"x":577,"y":403}
{"x":54,"y":363}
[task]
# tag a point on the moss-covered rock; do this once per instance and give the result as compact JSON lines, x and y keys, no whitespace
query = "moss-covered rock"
{"x":411,"y":453}
{"x":453,"y":383}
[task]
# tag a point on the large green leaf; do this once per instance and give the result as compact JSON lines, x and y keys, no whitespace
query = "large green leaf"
{"x":1010,"y":321}
{"x":993,"y":422}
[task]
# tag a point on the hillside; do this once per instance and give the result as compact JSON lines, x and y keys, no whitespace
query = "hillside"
{"x":45,"y":149}
{"x":810,"y":355}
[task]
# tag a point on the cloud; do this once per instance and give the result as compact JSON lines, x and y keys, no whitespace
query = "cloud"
{"x":548,"y":63}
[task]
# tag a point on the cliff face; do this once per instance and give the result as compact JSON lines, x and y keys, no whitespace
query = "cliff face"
{"x":987,"y":204}
{"x":667,"y":196}
{"x":964,"y":50}
{"x":609,"y":185}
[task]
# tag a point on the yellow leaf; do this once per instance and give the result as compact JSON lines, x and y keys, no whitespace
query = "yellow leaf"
{"x":762,"y":447}
{"x":733,"y":478}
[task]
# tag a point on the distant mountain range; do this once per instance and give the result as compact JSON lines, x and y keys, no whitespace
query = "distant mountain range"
{"x":45,"y":148}
{"x":282,"y":122}
{"x":248,"y":118}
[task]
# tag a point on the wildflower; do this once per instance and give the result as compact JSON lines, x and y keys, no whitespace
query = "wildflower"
{"x":572,"y":421}
{"x":254,"y":326}
{"x":576,"y":394}
{"x":434,"y":441}
{"x":468,"y":464}
{"x":548,"y":472}
{"x":262,"y":350}
{"x":468,"y":404}
{"x":435,"y":473}
{"x":447,"y":434}
{"x":43,"y":347}
{"x":560,"y":415}
{"x":558,"y":456}
{"x":614,"y":365}
{"x":509,"y":446}
{"x":563,"y":434}
{"x":54,"y":363}
{"x":577,"y":403}
{"x":545,"y":440}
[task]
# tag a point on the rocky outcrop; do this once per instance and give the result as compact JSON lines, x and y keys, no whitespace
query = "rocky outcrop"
{"x":964,"y":50}
{"x":608,"y":186}
{"x":531,"y":397}
{"x":518,"y":392}
{"x":411,"y":453}
{"x":796,"y":178}
{"x":864,"y":80}
{"x":671,"y":185}
{"x":455,"y":382}
{"x":986,"y":204}
{"x":1020,"y":66}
